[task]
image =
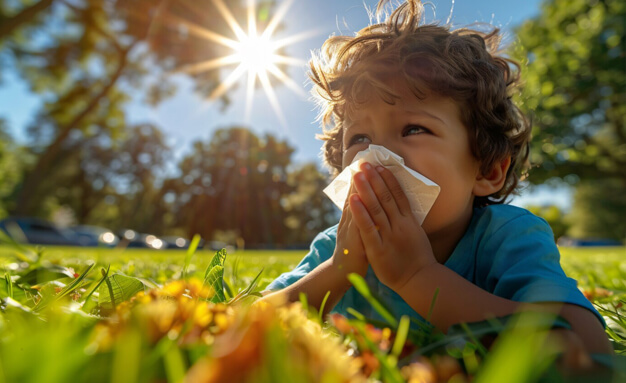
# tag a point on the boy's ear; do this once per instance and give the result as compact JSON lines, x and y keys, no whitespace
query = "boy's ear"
{"x":494,"y":181}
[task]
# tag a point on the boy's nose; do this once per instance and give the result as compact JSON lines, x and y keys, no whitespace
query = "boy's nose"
{"x":389,"y":146}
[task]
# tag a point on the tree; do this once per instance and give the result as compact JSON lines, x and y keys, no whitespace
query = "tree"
{"x":11,"y":21}
{"x":11,"y":162}
{"x":554,"y":216}
{"x":598,"y":210}
{"x":93,"y":53}
{"x":309,"y":210}
{"x":236,"y":181}
{"x":94,"y":172}
{"x":575,"y":89}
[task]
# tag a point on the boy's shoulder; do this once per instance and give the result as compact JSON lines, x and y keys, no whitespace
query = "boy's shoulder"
{"x":496,"y":216}
{"x":500,"y":223}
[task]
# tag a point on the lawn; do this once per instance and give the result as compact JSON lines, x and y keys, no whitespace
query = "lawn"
{"x":108,"y":315}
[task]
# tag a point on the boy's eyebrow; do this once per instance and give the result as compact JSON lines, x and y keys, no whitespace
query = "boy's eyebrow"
{"x":350,"y":124}
{"x":426,"y":113}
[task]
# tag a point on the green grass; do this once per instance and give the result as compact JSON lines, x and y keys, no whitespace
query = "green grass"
{"x":161,"y":266}
{"x":41,"y":325}
{"x":596,"y":266}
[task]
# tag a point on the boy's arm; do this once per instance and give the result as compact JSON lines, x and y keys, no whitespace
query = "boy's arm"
{"x":401,"y":256}
{"x":324,"y":278}
{"x":459,"y":300}
{"x":331,"y":275}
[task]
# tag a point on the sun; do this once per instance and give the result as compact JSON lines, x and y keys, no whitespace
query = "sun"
{"x":255,"y":54}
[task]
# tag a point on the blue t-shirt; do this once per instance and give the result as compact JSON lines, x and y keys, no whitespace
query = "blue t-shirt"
{"x":506,"y":251}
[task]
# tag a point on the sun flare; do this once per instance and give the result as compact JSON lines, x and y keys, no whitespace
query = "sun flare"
{"x":255,"y":54}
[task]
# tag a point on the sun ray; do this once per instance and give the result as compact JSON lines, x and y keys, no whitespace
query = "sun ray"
{"x":280,"y":59}
{"x":252,"y":18}
{"x":228,"y":82}
{"x":295,"y":38}
{"x":278,"y":16}
{"x":206,"y":66}
{"x":273,"y":69}
{"x":201,"y":32}
{"x":255,"y":52}
{"x":249,"y":94}
{"x":271,"y":96}
{"x":230,"y":19}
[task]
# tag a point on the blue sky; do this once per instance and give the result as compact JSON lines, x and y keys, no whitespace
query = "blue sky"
{"x":187,"y":117}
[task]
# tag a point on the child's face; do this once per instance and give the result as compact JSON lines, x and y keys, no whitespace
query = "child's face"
{"x":430,"y":137}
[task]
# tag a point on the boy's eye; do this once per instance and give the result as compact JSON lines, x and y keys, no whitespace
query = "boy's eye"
{"x":359,"y":139}
{"x":414,"y":129}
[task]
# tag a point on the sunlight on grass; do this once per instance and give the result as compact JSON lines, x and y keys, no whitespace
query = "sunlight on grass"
{"x":144,"y":315}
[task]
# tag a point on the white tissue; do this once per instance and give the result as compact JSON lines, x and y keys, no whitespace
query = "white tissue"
{"x":420,"y":191}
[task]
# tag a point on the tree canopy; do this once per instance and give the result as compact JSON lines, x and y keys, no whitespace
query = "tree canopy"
{"x":86,"y":60}
{"x":575,"y":89}
{"x":84,"y":57}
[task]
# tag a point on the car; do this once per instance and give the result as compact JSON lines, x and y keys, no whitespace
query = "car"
{"x":89,"y":235}
{"x":37,"y":231}
{"x":175,"y":242}
{"x":587,"y":242}
{"x":132,"y":239}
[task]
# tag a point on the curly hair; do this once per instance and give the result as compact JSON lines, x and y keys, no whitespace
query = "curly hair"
{"x":462,"y":64}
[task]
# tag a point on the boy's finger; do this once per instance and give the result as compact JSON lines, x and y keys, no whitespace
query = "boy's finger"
{"x":367,"y":228}
{"x":400,"y":198}
{"x":345,"y":213}
{"x":384,"y":195}
{"x":370,"y":200}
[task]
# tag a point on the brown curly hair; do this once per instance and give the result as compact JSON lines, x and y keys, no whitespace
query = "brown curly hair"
{"x":462,"y":64}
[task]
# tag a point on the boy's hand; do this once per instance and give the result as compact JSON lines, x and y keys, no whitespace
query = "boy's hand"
{"x":349,"y":255}
{"x":395,"y":243}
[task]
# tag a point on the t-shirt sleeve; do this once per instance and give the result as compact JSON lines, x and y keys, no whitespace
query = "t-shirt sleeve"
{"x":525,"y":265}
{"x":321,"y":249}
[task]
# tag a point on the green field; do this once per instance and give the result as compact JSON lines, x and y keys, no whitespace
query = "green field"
{"x":602,"y":266}
{"x":148,"y":320}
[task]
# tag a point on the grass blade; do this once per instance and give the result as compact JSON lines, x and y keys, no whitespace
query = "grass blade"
{"x":361,"y":286}
{"x":248,"y":290}
{"x":401,"y":335}
{"x":105,"y":274}
{"x":66,"y":290}
{"x":7,"y":278}
{"x":127,"y":358}
{"x":321,"y":313}
{"x":304,"y":301}
{"x":356,"y":314}
{"x":432,"y":305}
{"x":190,"y":252}
{"x":20,"y":251}
{"x":174,"y":364}
{"x":527,"y":340}
{"x":483,"y":351}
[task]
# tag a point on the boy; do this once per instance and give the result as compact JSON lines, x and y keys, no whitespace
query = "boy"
{"x":440,"y":100}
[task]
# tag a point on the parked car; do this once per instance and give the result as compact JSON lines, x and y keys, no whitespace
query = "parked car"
{"x":95,"y":236}
{"x":587,"y":242}
{"x":132,"y":239}
{"x":174,"y":242}
{"x":37,"y":231}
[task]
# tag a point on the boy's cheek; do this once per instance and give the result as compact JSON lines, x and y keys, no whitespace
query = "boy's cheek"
{"x":347,"y":158}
